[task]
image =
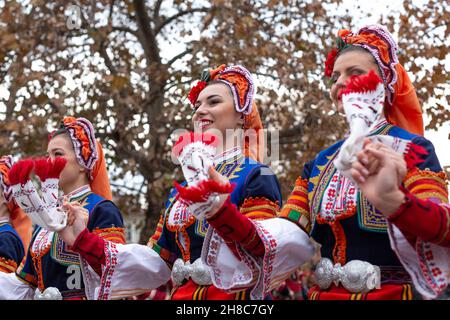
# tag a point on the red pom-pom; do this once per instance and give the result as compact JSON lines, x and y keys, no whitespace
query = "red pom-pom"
{"x":55,"y":167}
{"x":329,"y":63}
{"x":41,"y":167}
{"x":20,"y":171}
{"x":362,"y":83}
{"x":195,"y":91}
{"x":190,"y":137}
{"x":201,"y":191}
{"x":415,"y":155}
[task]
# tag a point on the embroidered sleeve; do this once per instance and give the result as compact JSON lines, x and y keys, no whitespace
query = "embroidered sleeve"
{"x":90,"y":246}
{"x":261,"y":183}
{"x":11,"y":252}
{"x":261,"y":201}
{"x":427,"y":184}
{"x":426,"y":189}
{"x":257,"y":253}
{"x":296,"y":208}
{"x":106,"y":221}
{"x":425,"y":219}
{"x":233,"y":226}
{"x":427,"y":181}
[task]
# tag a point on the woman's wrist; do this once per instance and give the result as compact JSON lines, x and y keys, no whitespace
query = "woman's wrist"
{"x":391,"y":203}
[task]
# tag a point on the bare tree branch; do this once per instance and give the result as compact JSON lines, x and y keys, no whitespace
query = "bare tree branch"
{"x":126,"y":187}
{"x":126,"y":30}
{"x":111,"y":10}
{"x":178,"y":15}
{"x":179,"y":56}
{"x":156,"y":17}
{"x":146,"y":34}
{"x":174,"y":84}
{"x":104,"y":54}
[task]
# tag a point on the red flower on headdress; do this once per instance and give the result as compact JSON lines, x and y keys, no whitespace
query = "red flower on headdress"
{"x":329,"y":63}
{"x":195,"y":91}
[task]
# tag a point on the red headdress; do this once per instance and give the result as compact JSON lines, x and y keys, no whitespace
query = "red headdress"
{"x":241,"y":84}
{"x":89,"y":153}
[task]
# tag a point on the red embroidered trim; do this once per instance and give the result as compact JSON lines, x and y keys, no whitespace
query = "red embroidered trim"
{"x":259,"y":208}
{"x":37,"y":261}
{"x":340,"y":246}
{"x":425,"y":184}
{"x":159,"y":228}
{"x":415,"y":155}
{"x":182,"y":229}
{"x":7,"y":265}
{"x":296,"y":208}
{"x":113,"y":234}
{"x":110,"y":265}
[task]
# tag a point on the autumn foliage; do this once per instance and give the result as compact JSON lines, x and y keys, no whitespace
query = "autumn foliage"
{"x":128,"y":67}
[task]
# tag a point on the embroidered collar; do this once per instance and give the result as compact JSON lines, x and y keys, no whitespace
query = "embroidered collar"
{"x":79,"y":193}
{"x":375,"y":126}
{"x":227,"y":155}
{"x":380,"y":123}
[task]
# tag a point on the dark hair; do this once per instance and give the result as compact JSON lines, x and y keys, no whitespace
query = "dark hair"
{"x":61,"y":130}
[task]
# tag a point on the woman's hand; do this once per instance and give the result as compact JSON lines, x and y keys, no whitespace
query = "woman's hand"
{"x":379,"y":172}
{"x":214,"y":175}
{"x":76,"y":221}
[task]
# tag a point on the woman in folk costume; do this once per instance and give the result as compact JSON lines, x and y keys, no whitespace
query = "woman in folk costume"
{"x":76,"y":164}
{"x":362,"y":253}
{"x":11,"y":247}
{"x":217,"y":238}
{"x":379,"y":172}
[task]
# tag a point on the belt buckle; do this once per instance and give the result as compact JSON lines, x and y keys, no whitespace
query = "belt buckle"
{"x":356,"y":276}
{"x":197,"y":271}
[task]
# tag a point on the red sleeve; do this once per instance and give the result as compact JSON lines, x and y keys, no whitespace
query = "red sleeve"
{"x":425,"y":219}
{"x":232,"y":225}
{"x":91,"y":247}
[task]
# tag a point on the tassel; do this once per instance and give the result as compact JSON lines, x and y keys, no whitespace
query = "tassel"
{"x":202,"y":191}
{"x":190,"y":137}
{"x":56,"y":167}
{"x":414,"y":155}
{"x":362,"y":83}
{"x":41,"y":167}
{"x":20,"y":171}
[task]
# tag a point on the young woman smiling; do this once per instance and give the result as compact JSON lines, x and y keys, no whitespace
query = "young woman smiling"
{"x":239,"y":249}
